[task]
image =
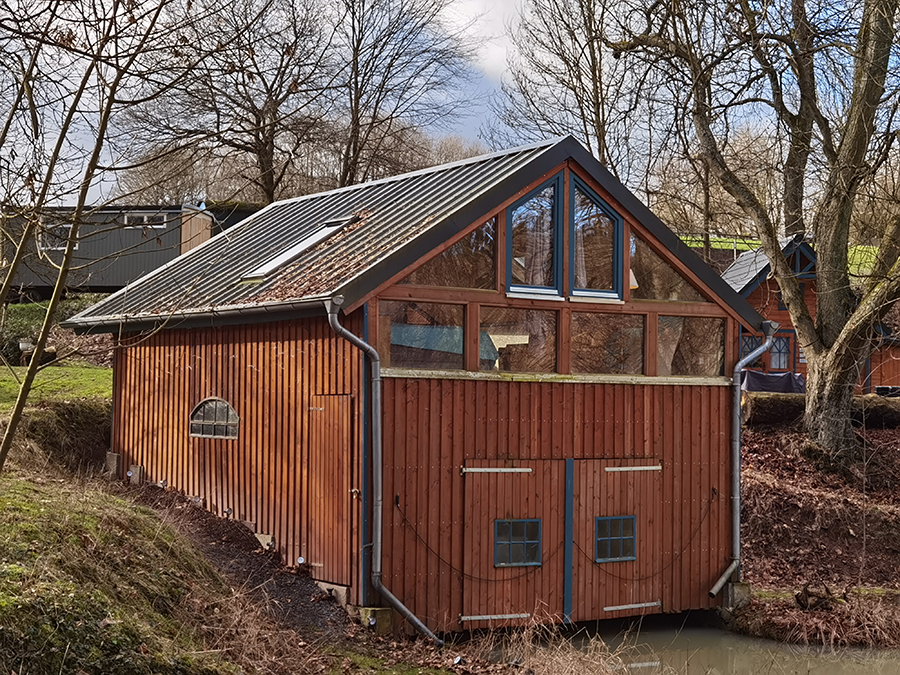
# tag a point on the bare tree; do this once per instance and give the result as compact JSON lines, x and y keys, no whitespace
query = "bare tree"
{"x":405,"y":67}
{"x":820,"y":81}
{"x":564,"y":80}
{"x":74,"y":66}
{"x":253,"y":103}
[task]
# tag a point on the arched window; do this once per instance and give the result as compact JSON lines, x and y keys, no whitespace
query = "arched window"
{"x":214,"y":418}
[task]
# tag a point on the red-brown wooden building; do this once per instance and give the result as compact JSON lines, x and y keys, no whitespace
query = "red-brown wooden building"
{"x":555,"y":398}
{"x":750,"y":276}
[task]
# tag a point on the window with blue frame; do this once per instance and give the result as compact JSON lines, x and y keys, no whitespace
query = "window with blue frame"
{"x":535,"y":240}
{"x":517,"y":543}
{"x":780,"y":354}
{"x":615,"y":539}
{"x":750,"y":343}
{"x":595,"y":265}
{"x":535,"y":252}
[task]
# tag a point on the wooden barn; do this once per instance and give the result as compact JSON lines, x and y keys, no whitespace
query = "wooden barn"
{"x":750,"y":276}
{"x":486,"y":393}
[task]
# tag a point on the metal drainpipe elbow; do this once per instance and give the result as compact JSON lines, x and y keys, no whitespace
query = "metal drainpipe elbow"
{"x":768,"y":329}
{"x":332,"y":306}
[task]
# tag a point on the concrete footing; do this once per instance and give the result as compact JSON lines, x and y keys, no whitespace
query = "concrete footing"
{"x":339,"y":593}
{"x":267,"y":541}
{"x":136,"y":474}
{"x":737,"y":595}
{"x":113,"y":463}
{"x":379,"y":618}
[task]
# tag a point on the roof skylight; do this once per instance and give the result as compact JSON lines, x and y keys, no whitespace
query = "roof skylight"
{"x":326,"y":229}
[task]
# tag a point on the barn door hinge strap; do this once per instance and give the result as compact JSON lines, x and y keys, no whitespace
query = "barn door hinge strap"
{"x":493,"y":617}
{"x":485,"y":469}
{"x":617,"y":469}
{"x":640,"y":605}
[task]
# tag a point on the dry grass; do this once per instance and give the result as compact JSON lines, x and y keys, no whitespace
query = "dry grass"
{"x":865,"y":619}
{"x":548,"y":649}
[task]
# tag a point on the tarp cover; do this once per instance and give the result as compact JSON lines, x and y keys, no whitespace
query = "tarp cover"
{"x":782,"y":383}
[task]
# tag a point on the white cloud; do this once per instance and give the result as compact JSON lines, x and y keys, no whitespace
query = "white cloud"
{"x":488,"y":21}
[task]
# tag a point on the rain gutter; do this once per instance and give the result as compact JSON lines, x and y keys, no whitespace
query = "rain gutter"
{"x":332,"y":306}
{"x":768,"y":328}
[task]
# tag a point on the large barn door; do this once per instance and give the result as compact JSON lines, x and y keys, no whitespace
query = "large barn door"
{"x":329,"y":488}
{"x":513,"y":553}
{"x":617,"y":541}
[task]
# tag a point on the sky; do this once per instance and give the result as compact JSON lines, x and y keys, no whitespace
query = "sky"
{"x":487,"y":21}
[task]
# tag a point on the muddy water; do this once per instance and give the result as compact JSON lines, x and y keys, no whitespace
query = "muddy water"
{"x":658,"y":649}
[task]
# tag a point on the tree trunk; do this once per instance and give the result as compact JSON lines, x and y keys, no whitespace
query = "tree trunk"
{"x":827,"y":419}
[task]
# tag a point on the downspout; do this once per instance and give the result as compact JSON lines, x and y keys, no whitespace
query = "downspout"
{"x":769,"y":328}
{"x":332,"y":306}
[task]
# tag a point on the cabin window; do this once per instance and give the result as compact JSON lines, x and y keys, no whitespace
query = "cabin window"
{"x":607,"y":343}
{"x":469,"y":263}
{"x":749,"y":343}
{"x":653,"y":278}
{"x":155,"y":221}
{"x":523,"y":340}
{"x":54,"y":236}
{"x":780,"y":354}
{"x":535,"y":241}
{"x":615,"y":539}
{"x":424,"y":335}
{"x":214,"y":418}
{"x":690,"y":346}
{"x":596,"y":232}
{"x":517,"y":543}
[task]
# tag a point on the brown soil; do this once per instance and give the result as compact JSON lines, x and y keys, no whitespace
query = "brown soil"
{"x":292,"y":598}
{"x":837,"y":532}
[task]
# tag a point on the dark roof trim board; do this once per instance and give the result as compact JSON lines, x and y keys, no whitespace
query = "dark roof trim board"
{"x":401,"y":219}
{"x":664,"y":235}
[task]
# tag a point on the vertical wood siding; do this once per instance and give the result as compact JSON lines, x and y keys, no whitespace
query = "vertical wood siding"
{"x":439,"y":521}
{"x":272,"y":374}
{"x":884,"y":368}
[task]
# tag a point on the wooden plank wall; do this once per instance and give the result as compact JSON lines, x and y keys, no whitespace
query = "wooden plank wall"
{"x":884,"y":368}
{"x":269,"y":373}
{"x":433,"y":427}
{"x":513,"y":590}
{"x":598,"y":492}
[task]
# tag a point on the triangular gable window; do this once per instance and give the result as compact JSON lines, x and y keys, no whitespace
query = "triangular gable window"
{"x":653,"y":278}
{"x":596,"y":235}
{"x":534,"y":261}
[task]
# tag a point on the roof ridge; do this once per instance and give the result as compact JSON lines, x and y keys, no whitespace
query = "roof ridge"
{"x":550,"y":142}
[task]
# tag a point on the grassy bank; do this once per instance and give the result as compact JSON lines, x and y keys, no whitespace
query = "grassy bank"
{"x":56,"y":384}
{"x":91,"y":582}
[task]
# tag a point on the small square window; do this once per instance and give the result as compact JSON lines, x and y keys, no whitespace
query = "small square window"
{"x":517,"y":543}
{"x":615,"y":539}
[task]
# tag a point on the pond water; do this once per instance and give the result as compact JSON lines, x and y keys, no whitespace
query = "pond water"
{"x":661,"y":647}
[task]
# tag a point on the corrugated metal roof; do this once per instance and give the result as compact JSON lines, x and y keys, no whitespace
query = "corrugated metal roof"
{"x":392,"y":212}
{"x":753,"y":266}
{"x":397,"y":220}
